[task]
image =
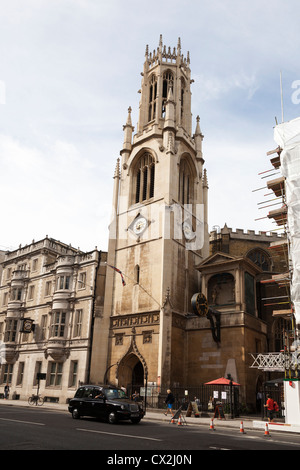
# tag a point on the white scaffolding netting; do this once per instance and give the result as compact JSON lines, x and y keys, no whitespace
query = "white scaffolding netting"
{"x":287,"y":136}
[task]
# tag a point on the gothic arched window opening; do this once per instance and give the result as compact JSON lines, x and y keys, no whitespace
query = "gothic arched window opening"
{"x":152,"y":98}
{"x":182,"y":96}
{"x":185,"y":183}
{"x":137,"y":274}
{"x":145,"y":176}
{"x":168,"y":81}
{"x":260,"y":258}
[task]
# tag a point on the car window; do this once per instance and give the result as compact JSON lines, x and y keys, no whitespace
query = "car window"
{"x":79,"y":392}
{"x":88,"y":392}
{"x":96,"y":392}
{"x":113,"y":393}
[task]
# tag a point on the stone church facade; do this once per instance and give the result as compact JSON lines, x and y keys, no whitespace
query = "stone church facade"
{"x":159,"y":240}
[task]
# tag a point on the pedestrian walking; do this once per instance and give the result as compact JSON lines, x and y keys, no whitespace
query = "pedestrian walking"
{"x":270,"y":408}
{"x":169,"y":401}
{"x":6,"y":391}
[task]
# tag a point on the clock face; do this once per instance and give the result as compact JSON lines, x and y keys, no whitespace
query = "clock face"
{"x":139,"y":225}
{"x":188,"y":230}
{"x":27,"y":325}
{"x":199,"y":304}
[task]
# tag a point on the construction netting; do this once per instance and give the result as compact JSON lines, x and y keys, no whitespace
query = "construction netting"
{"x":287,"y":136}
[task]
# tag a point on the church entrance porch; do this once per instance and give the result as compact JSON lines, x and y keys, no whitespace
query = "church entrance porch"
{"x":130,"y":374}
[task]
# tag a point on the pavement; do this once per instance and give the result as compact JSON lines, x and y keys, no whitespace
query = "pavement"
{"x":242,"y":423}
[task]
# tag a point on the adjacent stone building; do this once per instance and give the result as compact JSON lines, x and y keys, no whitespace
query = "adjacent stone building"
{"x":49,"y":295}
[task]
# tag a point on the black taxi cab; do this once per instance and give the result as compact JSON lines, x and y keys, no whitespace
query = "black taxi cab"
{"x":104,"y":402}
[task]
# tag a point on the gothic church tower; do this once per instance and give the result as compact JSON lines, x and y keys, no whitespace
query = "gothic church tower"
{"x":158,"y":233}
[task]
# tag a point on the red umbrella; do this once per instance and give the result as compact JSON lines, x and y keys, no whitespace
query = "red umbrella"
{"x":221,"y":381}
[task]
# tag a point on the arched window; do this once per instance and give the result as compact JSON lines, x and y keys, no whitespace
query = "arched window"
{"x":185,"y":183}
{"x":260,"y":258}
{"x":168,"y":81}
{"x":182,"y":96}
{"x":144,"y":178}
{"x":137,"y":273}
{"x":152,"y":98}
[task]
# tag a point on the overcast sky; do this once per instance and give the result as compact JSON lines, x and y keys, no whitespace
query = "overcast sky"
{"x":70,"y":69}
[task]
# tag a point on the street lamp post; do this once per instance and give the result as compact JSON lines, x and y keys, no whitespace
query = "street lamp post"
{"x":230,"y":391}
{"x":146,"y":387}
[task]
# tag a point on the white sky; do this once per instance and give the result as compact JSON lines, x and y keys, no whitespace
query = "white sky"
{"x":70,"y":69}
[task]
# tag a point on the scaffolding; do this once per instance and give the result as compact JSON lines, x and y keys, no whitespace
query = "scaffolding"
{"x":283,"y":361}
{"x":278,"y":362}
{"x":275,"y":362}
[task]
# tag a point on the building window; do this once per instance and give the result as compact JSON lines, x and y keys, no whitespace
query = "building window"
{"x":58,"y":321}
{"x":144,"y":177}
{"x":55,"y":378}
{"x":10,"y":330}
{"x":137,"y":273}
{"x":82,"y":280}
{"x":73,"y":373}
{"x":182,"y":96}
{"x":152,"y":98}
{"x":168,"y":81}
{"x":16,"y":294}
{"x":21,"y":267}
{"x":20,"y":373}
{"x":250,"y":293}
{"x":7,"y":372}
{"x":185,"y":183}
{"x":37,"y":370}
{"x":48,"y":288}
{"x":5,"y":297}
{"x":63,"y":282}
{"x":78,"y":323}
{"x":44,"y":321}
{"x":31,"y":293}
{"x":34,"y":264}
{"x":260,"y":258}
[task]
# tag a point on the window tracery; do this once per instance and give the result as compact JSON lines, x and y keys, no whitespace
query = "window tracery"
{"x":144,"y":178}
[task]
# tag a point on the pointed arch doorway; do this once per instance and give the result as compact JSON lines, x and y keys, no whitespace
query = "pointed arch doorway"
{"x":131,"y":374}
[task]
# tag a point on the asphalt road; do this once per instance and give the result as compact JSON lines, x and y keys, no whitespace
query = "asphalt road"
{"x":39,"y":429}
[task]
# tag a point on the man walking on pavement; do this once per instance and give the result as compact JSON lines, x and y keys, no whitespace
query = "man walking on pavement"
{"x":270,"y":408}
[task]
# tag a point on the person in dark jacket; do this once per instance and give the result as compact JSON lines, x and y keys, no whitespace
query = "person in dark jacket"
{"x":169,"y":401}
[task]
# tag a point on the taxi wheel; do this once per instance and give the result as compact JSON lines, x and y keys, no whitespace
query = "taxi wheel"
{"x":112,"y":418}
{"x":75,"y":414}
